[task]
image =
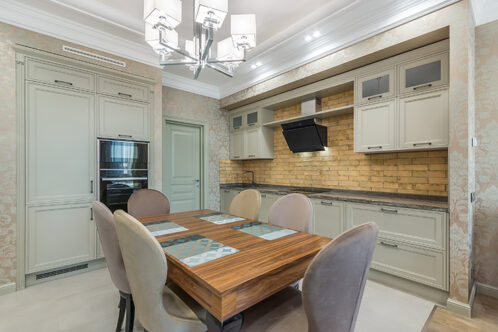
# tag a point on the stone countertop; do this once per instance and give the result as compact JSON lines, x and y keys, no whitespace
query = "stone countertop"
{"x":433,"y":203}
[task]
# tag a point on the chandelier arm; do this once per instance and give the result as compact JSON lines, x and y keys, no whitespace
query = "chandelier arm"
{"x":179,"y":51}
{"x":209,"y":42}
{"x":225,"y":61}
{"x":197,"y":71}
{"x":174,"y":63}
{"x":220,"y":69}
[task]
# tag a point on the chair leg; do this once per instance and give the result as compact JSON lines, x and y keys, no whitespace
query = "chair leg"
{"x":130,"y":313}
{"x":122,"y":308}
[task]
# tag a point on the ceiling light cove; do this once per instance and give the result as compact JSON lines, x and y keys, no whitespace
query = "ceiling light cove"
{"x":163,"y":16}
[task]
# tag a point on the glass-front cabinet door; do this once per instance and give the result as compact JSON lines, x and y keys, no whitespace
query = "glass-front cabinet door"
{"x":236,"y":122}
{"x":252,"y":118}
{"x":424,"y":74}
{"x":376,"y":87}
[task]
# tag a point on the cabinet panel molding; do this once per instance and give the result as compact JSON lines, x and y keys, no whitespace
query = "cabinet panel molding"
{"x":375,"y":127}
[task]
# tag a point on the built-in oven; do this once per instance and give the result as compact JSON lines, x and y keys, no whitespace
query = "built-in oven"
{"x":123,"y":169}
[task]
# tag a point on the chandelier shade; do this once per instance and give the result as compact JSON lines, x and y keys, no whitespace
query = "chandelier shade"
{"x":157,"y":39}
{"x":243,"y":29}
{"x":226,"y":51}
{"x":167,"y":13}
{"x":210,"y":13}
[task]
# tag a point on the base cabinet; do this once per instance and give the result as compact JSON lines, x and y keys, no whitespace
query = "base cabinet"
{"x":267,"y":200}
{"x":59,"y":235}
{"x":226,"y":197}
{"x":328,"y":218}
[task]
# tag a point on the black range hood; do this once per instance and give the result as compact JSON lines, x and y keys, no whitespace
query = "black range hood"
{"x":305,"y":136}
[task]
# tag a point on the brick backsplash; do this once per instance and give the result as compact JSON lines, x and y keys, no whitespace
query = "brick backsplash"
{"x":424,"y":172}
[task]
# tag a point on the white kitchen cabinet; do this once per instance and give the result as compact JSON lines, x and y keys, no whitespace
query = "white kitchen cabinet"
{"x":423,"y":121}
{"x":328,"y":217}
{"x":424,"y":74}
{"x":226,"y":197}
{"x":236,"y":122}
{"x":376,"y":87}
{"x":375,"y":127}
{"x":123,"y":119}
{"x":122,"y":88}
{"x":237,"y":143}
{"x":60,"y":140}
{"x":60,"y":75}
{"x":267,"y":200}
{"x":59,"y":235}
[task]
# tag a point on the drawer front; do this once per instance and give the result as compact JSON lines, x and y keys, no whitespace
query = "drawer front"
{"x":59,"y":75}
{"x":122,"y":89}
{"x":419,"y":227}
{"x":421,"y":265}
{"x":328,"y":218}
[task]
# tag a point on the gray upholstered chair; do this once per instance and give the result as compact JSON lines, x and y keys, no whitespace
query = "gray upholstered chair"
{"x":148,"y":202}
{"x":246,"y":204}
{"x":158,"y":307}
{"x":292,"y":211}
{"x":112,"y":253}
{"x":332,"y":289}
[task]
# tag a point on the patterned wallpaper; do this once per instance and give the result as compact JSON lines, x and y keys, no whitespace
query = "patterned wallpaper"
{"x":185,"y":105}
{"x":340,"y":167}
{"x":486,"y":206}
{"x":461,"y":164}
{"x":10,"y":35}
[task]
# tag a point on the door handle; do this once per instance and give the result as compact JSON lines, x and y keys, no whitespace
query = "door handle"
{"x":91,"y":213}
{"x":124,"y":94}
{"x":326,"y":203}
{"x":423,"y":143}
{"x":392,"y":245}
{"x":252,"y":155}
{"x":63,"y":82}
{"x":422,"y":86}
{"x":263,"y":195}
{"x":374,"y":97}
{"x":375,"y":147}
{"x":388,"y":210}
{"x":91,"y":186}
{"x":125,"y":136}
{"x":197,"y":183}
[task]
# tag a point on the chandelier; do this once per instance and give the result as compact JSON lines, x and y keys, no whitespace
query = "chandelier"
{"x":163,"y":16}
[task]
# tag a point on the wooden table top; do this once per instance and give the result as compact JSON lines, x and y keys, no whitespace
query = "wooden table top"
{"x":226,"y":286}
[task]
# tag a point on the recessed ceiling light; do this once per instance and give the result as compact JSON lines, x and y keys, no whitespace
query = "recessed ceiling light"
{"x":316,"y":34}
{"x":308,"y":38}
{"x":253,"y":66}
{"x":258,"y":64}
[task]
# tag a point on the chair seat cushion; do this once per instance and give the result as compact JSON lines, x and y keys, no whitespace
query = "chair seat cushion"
{"x":280,"y":312}
{"x":180,"y":304}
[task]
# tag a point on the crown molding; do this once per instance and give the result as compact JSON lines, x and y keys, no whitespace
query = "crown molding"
{"x":190,"y":85}
{"x":484,"y":11}
{"x":30,"y":18}
{"x":287,"y":55}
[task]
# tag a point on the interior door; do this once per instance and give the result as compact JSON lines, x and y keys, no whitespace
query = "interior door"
{"x":182,"y":166}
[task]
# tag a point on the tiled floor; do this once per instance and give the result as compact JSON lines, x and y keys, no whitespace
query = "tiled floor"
{"x":88,"y":302}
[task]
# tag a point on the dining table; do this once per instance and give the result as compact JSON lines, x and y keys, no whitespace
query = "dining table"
{"x":228,"y":263}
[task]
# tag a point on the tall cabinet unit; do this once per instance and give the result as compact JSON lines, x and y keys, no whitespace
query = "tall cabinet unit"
{"x":66,"y":108}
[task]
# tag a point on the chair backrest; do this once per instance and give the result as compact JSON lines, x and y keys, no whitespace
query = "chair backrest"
{"x":110,"y":245}
{"x":246,"y":204}
{"x":146,"y":269}
{"x":334,"y":282}
{"x":292,"y":211}
{"x":148,"y":202}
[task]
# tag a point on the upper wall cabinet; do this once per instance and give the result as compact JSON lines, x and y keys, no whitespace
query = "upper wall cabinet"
{"x":60,"y":75}
{"x":374,"y":127}
{"x":375,"y":87}
{"x":424,"y":74}
{"x":122,"y":89}
{"x":236,"y":122}
{"x":423,"y":120}
{"x":123,"y":119}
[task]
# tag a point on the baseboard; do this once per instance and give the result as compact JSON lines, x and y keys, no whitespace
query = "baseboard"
{"x":464,"y":309}
{"x":7,"y":288}
{"x":487,"y":290}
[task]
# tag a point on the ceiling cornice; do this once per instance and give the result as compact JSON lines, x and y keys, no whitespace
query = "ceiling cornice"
{"x":484,"y":11}
{"x":190,"y":85}
{"x":30,"y":18}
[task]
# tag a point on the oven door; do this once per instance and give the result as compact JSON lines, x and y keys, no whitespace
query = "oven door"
{"x":116,"y":187}
{"x":115,"y":154}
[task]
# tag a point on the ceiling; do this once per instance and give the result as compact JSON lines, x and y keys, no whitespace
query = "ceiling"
{"x":116,"y":26}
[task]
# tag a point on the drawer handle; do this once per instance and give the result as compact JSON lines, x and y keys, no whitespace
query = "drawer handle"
{"x":226,"y":191}
{"x":423,"y":143}
{"x":375,"y":147}
{"x":63,"y":82}
{"x":252,"y":155}
{"x":91,"y":186}
{"x":422,"y":86}
{"x":374,"y":97}
{"x":389,"y":210}
{"x":124,"y":94}
{"x":235,"y":157}
{"x":326,"y":203}
{"x":125,"y":136}
{"x":263,"y":195}
{"x":251,"y":124}
{"x":391,"y":245}
{"x":91,"y":213}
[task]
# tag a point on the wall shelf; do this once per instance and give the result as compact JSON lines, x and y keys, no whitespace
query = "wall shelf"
{"x":319,"y":115}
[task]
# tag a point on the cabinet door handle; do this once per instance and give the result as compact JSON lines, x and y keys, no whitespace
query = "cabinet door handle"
{"x":374,"y":97}
{"x":326,"y":203}
{"x":125,"y":136}
{"x":251,"y":124}
{"x":226,"y":191}
{"x":236,"y":157}
{"x":124,"y":94}
{"x":91,"y":213}
{"x":392,"y":245}
{"x":423,"y":143}
{"x":63,"y":82}
{"x":263,"y":195}
{"x":91,"y":186}
{"x":375,"y":147}
{"x":388,"y":210}
{"x":252,"y":155}
{"x":422,"y":86}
